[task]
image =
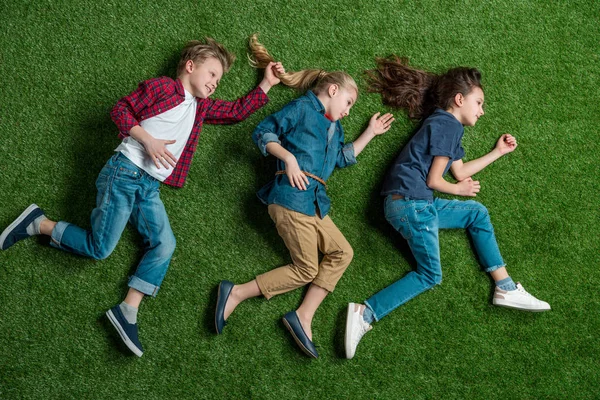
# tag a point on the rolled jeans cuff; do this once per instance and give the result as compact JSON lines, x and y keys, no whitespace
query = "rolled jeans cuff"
{"x":142,"y":286}
{"x":373,"y":311}
{"x":492,"y":269}
{"x":57,"y":233}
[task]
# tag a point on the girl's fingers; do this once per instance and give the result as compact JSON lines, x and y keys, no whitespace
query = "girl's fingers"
{"x":301,"y":182}
{"x":306,"y":180}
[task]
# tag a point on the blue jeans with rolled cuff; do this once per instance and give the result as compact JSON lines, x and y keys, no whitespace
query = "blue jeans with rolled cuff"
{"x":419,"y":222}
{"x":125,"y":193}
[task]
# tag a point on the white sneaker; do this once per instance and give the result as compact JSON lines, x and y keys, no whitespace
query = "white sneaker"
{"x":356,"y":327}
{"x":518,"y":299}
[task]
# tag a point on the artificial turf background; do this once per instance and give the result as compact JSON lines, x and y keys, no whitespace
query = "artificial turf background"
{"x":63,"y":65}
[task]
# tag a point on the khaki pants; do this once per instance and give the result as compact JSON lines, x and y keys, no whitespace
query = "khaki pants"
{"x":305,"y":236}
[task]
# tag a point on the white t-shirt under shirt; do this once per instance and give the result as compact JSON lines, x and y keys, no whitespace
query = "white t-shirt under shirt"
{"x":174,"y":124}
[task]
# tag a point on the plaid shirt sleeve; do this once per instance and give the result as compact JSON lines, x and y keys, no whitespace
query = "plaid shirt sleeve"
{"x":229,"y":112}
{"x":128,"y":111}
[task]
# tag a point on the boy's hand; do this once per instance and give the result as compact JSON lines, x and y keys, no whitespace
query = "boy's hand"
{"x":380,"y":125}
{"x":468,"y":187}
{"x":295,"y":174}
{"x":157,"y":150}
{"x":271,"y":78}
{"x":506,"y":144}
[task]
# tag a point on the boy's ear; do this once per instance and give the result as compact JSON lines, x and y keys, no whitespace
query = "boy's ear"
{"x":189,"y":66}
{"x":459,"y":99}
{"x":333,"y":89}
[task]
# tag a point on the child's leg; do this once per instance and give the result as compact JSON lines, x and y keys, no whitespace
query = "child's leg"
{"x":474,"y":217}
{"x":298,"y":231}
{"x":150,"y":218}
{"x":457,"y":214}
{"x":240,"y":293}
{"x":417,"y":221}
{"x":313,"y":299}
{"x":117,"y":184}
{"x":337,"y":255}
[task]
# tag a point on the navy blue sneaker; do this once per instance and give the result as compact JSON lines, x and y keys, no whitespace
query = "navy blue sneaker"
{"x":127,"y":331}
{"x":18,"y":229}
{"x":292,"y":323}
{"x":222,"y":296}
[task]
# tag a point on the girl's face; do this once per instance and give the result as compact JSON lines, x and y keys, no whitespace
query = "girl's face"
{"x":471,"y":108}
{"x":340,"y":102}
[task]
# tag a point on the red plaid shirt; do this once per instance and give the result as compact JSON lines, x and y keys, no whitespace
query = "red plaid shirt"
{"x":159,"y":95}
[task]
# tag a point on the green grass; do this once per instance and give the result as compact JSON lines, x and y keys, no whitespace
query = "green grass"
{"x":63,"y":65}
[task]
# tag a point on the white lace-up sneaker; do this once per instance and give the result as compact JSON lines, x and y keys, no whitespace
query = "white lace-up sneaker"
{"x":518,"y":299}
{"x":356,"y":327}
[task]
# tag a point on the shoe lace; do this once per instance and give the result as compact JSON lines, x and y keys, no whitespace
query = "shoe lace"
{"x":522,"y":290}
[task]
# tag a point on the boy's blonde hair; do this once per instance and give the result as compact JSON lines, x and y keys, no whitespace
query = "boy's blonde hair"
{"x":198,"y":51}
{"x":316,"y":79}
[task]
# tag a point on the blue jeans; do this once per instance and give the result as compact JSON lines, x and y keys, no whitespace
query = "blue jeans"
{"x":125,"y":193}
{"x":419,"y":221}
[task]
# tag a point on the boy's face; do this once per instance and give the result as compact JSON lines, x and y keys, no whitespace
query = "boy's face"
{"x":340,"y":102}
{"x":204,"y":77}
{"x":472,"y":107}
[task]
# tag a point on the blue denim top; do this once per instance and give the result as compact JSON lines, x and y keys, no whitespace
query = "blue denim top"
{"x":317,"y":143}
{"x":439,"y":135}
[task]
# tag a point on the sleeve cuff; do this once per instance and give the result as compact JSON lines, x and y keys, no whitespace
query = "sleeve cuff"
{"x":434,"y":151}
{"x":265,"y":139}
{"x":348,"y":151}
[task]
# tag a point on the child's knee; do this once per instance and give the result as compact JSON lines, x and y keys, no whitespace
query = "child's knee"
{"x":101,"y":253}
{"x":166,"y":248}
{"x":346,"y":254}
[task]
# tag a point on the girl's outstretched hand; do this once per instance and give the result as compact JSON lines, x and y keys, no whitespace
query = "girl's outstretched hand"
{"x":381,"y":124}
{"x":295,"y":174}
{"x":468,"y":187}
{"x":506,"y":144}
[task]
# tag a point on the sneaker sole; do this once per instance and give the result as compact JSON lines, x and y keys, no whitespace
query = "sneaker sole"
{"x":16,"y":222}
{"x":298,"y":342}
{"x":501,"y":303}
{"x":124,"y":337}
{"x":348,"y":333}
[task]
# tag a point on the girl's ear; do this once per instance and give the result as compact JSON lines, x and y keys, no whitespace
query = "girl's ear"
{"x":333,"y":89}
{"x":459,"y":99}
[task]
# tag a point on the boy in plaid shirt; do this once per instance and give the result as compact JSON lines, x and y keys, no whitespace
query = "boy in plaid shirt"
{"x":159,"y":123}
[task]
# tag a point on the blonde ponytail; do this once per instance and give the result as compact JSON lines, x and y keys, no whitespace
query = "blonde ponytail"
{"x":316,"y":79}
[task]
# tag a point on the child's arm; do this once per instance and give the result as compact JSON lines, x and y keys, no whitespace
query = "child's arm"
{"x":435,"y":180}
{"x":292,"y":169}
{"x":156,"y":148}
{"x":267,"y":134}
{"x":377,"y":126}
{"x":506,"y":144}
{"x":229,"y":112}
{"x":125,"y":115}
{"x":126,"y":112}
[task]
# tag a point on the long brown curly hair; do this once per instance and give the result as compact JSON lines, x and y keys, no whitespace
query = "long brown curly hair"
{"x":419,"y":92}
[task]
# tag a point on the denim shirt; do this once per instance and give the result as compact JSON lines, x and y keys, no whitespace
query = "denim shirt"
{"x":318,"y":145}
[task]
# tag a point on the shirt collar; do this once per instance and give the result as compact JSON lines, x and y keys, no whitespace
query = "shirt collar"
{"x":179,"y":87}
{"x":315,"y":101}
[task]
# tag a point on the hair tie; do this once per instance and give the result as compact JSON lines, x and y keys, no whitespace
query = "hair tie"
{"x":322,"y":74}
